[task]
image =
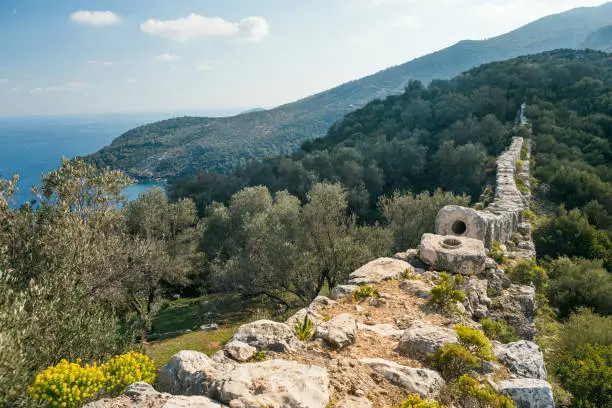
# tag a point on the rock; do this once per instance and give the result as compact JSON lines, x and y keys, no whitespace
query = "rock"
{"x":412,"y":257}
{"x":186,"y":373}
{"x":343,"y":292}
{"x":416,"y":287}
{"x":221,"y":357}
{"x":453,"y":254}
{"x":239,"y":351}
{"x":524,"y":228}
{"x":272,"y":384}
{"x":422,"y":339}
{"x":384,"y":330}
{"x":268,"y":335}
{"x":523,"y":358}
{"x":339,"y":332}
{"x":516,"y":306}
{"x":528,"y":392}
{"x":314,"y":317}
{"x":476,"y":301}
{"x":359,"y":309}
{"x":496,"y":280}
{"x":321,"y":302}
{"x":353,"y":402}
{"x":209,"y":327}
{"x":379,"y":270}
{"x":426,"y":383}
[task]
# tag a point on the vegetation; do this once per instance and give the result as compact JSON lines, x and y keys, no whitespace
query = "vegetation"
{"x":447,"y":292}
{"x":497,"y":253}
{"x":527,"y":272}
{"x":365,"y":292}
{"x":498,"y":330}
{"x":477,"y":394}
{"x":453,"y":360}
{"x":303,"y":329}
{"x":414,"y":401}
{"x":475,"y":341}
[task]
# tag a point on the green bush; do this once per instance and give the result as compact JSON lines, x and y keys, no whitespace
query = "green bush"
{"x":452,"y":360}
{"x":499,"y":330}
{"x":497,"y":253}
{"x":365,"y":292}
{"x":446,"y":293}
{"x":483,"y":394}
{"x":414,"y":401}
{"x":258,"y":356}
{"x":525,"y":272}
{"x":475,"y":341}
{"x":303,"y":329}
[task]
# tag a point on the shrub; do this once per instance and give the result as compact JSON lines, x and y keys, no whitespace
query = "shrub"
{"x":530,"y":216}
{"x":365,"y":292}
{"x":68,"y":384}
{"x":499,"y":330}
{"x":414,"y":401}
{"x":447,"y":292}
{"x":303,"y":329}
{"x":497,"y":253}
{"x":408,"y":276}
{"x":475,"y":341}
{"x":452,"y":360}
{"x":484,"y":394}
{"x":258,"y":356}
{"x":121,"y":371}
{"x":526,"y":272}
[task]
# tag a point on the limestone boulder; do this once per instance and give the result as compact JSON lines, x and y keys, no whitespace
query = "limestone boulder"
{"x":272,"y":384}
{"x":379,"y":270}
{"x":321,"y":302}
{"x":339,"y":332}
{"x":453,"y":254}
{"x":412,"y":257}
{"x":528,"y":392}
{"x":476,"y":301}
{"x":383,"y":329}
{"x":422,"y":339}
{"x":186,"y":373}
{"x":462,"y":221}
{"x":343,"y":292}
{"x":239,"y":351}
{"x":516,"y":306}
{"x":353,"y":402}
{"x":416,"y":287}
{"x":426,"y":383}
{"x":268,"y":335}
{"x":299,"y":316}
{"x":523,"y":358}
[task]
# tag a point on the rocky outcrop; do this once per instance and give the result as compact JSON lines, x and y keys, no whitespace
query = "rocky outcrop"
{"x":516,"y":306}
{"x":383,"y":329}
{"x":343,"y":292}
{"x":299,"y":316}
{"x":339,"y":332}
{"x":476,"y":301}
{"x":426,"y":383}
{"x":453,"y":254}
{"x":416,"y":287}
{"x":239,"y":351}
{"x":268,"y":335}
{"x":523,"y":358}
{"x":186,"y":373}
{"x":528,"y":393}
{"x":422,"y":339}
{"x":379,"y":270}
{"x":412,"y":257}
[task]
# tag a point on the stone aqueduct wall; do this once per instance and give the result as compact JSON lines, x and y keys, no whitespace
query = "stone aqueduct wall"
{"x":501,"y":219}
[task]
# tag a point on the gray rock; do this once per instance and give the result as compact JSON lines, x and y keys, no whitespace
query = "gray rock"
{"x":453,"y":254}
{"x":268,"y":335}
{"x":273,"y":384}
{"x":314,"y":317}
{"x":209,"y":327}
{"x":321,"y":302}
{"x":476,"y":301}
{"x":343,"y":292}
{"x":186,"y":373}
{"x":426,"y":383}
{"x":239,"y":351}
{"x":412,"y":257}
{"x":384,"y":330}
{"x":339,"y":332}
{"x":353,"y":402}
{"x":221,"y":357}
{"x":523,"y":358}
{"x":422,"y":339}
{"x":528,"y":393}
{"x":516,"y":306}
{"x":416,"y":287}
{"x":379,"y":270}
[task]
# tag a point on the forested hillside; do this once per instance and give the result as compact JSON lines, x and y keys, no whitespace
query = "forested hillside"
{"x":186,"y":145}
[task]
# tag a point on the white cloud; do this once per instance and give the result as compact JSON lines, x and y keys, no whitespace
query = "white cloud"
{"x":57,"y":88}
{"x":165,"y":57}
{"x":3,"y":80}
{"x":95,"y":18}
{"x":103,"y":63}
{"x":195,"y":26}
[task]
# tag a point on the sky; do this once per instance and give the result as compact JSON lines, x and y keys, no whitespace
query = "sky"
{"x":99,"y":56}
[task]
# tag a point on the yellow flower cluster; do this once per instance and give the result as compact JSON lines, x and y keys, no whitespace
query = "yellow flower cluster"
{"x":72,"y":384}
{"x":67,"y":384}
{"x":414,"y":401}
{"x":126,"y":369}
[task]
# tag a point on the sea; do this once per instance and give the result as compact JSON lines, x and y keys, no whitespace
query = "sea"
{"x":32,"y":146}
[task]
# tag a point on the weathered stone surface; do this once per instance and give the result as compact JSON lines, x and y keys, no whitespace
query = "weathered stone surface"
{"x":272,"y":384}
{"x":412,"y":257}
{"x":354,"y":402}
{"x":453,"y":254}
{"x":343,"y":292}
{"x":528,"y":393}
{"x":186,"y":373}
{"x":421,"y":339}
{"x":313,"y":315}
{"x":516,"y":306}
{"x":339,"y":332}
{"x":462,"y":221}
{"x":426,"y":383}
{"x":239,"y":350}
{"x":321,"y":302}
{"x":416,"y":287}
{"x":268,"y":335}
{"x":523,"y":358}
{"x":379,"y":270}
{"x":476,"y":301}
{"x":384,"y":330}
{"x":221,"y":357}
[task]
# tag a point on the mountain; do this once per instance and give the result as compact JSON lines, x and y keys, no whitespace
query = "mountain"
{"x":185,"y":145}
{"x":599,"y":40}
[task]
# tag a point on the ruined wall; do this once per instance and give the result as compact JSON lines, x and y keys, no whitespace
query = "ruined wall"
{"x":501,"y":219}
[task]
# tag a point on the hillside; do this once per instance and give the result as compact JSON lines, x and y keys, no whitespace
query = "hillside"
{"x":599,"y":40}
{"x":185,"y":145}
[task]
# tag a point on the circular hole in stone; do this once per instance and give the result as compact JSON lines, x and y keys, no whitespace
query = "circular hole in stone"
{"x":459,"y":227}
{"x":451,"y":243}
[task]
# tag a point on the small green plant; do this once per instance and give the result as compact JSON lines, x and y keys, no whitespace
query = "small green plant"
{"x":526,"y":272}
{"x":303,"y":329}
{"x":524,"y":152}
{"x":483,"y":394}
{"x":365,"y":292}
{"x":519,"y":167}
{"x":530,"y":216}
{"x":475,"y":341}
{"x":499,"y":330}
{"x":407,"y":275}
{"x":497,"y":253}
{"x":452,"y":360}
{"x":446,"y":293}
{"x":258,"y":356}
{"x":414,"y":401}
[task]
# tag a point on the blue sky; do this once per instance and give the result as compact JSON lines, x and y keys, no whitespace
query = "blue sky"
{"x":95,"y":56}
